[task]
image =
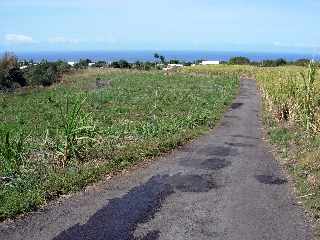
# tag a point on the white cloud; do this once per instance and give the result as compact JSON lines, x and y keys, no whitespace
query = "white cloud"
{"x":59,"y":40}
{"x":18,"y":38}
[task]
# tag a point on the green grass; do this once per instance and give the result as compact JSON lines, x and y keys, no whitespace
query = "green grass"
{"x":74,"y":133}
{"x":298,"y":151}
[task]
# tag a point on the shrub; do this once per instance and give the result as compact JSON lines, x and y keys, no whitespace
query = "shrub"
{"x":302,"y":62}
{"x":274,"y":63}
{"x":82,"y":64}
{"x":120,"y":64}
{"x":45,"y":74}
{"x":10,"y":73}
{"x":100,"y":64}
{"x":63,"y":67}
{"x":124,"y":64}
{"x":239,"y":61}
{"x":174,"y":61}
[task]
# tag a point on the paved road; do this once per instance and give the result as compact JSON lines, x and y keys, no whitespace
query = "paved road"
{"x":225,"y":185}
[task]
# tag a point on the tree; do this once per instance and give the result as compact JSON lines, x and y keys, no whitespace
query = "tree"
{"x":198,"y":61}
{"x":274,"y":63}
{"x":10,"y":73}
{"x":156,"y":56}
{"x":174,"y":61}
{"x":239,"y":61}
{"x":100,"y":64}
{"x":115,"y":64}
{"x":120,"y":64}
{"x":124,"y":64}
{"x":281,"y":62}
{"x":162,"y":59}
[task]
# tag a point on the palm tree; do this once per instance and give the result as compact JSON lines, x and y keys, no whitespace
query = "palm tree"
{"x":156,"y":56}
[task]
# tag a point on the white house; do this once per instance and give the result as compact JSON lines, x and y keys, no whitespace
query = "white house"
{"x":71,"y":63}
{"x":172,"y":66}
{"x":23,"y":67}
{"x":210,"y":63}
{"x":175,"y":65}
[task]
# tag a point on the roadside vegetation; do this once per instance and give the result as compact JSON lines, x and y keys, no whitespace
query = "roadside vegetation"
{"x":291,"y":103}
{"x":45,"y":73}
{"x":95,"y":122}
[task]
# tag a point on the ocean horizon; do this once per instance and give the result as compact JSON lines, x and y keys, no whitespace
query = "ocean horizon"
{"x":147,"y":55}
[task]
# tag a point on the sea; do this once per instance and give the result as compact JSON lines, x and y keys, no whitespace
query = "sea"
{"x":132,"y":56}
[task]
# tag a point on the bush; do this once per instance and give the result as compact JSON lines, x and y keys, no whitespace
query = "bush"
{"x":120,"y":64}
{"x":10,"y":73}
{"x":274,"y":63}
{"x":100,"y":64}
{"x":239,"y":61}
{"x":302,"y":62}
{"x":45,"y":74}
{"x":63,"y":67}
{"x":82,"y":64}
{"x":174,"y":61}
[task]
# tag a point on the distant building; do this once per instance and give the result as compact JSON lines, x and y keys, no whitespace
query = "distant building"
{"x":210,"y":63}
{"x":23,"y":67}
{"x":175,"y":65}
{"x":172,"y":66}
{"x":71,"y":63}
{"x":91,"y":64}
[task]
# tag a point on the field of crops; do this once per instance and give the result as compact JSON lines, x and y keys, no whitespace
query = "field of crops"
{"x":291,"y":93}
{"x":59,"y":139}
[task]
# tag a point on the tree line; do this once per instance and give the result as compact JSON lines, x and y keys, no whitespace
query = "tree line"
{"x":15,"y":73}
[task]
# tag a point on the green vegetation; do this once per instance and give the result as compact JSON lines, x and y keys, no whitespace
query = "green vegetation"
{"x":239,"y":61}
{"x":60,"y":139}
{"x":43,"y":74}
{"x":10,"y":74}
{"x":82,"y":64}
{"x":291,"y":103}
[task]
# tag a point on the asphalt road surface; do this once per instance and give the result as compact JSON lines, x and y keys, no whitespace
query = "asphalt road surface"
{"x":224,"y":185}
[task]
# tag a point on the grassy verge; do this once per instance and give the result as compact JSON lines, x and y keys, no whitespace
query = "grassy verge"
{"x":60,"y":139}
{"x":298,"y":152}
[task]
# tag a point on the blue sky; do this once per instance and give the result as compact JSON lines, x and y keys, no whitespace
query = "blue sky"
{"x":235,"y":25}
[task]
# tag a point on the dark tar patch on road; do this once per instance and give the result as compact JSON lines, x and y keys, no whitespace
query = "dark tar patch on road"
{"x":121,"y":216}
{"x":215,"y":164}
{"x":236,"y":105}
{"x":219,"y":151}
{"x":240,"y":144}
{"x":269,"y":179}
